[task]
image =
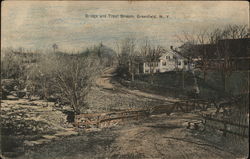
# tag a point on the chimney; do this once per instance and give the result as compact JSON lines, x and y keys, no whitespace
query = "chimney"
{"x":171,"y":47}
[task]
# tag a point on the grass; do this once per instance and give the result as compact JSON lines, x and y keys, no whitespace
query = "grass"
{"x":170,"y":84}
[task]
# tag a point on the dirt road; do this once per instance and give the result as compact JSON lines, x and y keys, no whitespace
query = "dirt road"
{"x":105,"y":82}
{"x":157,"y":137}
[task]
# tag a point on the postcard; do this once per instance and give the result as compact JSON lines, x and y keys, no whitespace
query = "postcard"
{"x":124,"y":79}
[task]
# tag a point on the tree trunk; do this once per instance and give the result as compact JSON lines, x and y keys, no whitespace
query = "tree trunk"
{"x":44,"y":93}
{"x":204,"y":75}
{"x":131,"y":70}
{"x":183,"y":80}
{"x":224,"y":82}
{"x":152,"y":78}
{"x":132,"y":76}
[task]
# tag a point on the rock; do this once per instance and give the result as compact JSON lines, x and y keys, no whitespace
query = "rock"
{"x":66,"y":133}
{"x":185,"y":124}
{"x":49,"y":137}
{"x":21,"y":94}
{"x":93,"y":129}
{"x":28,"y":143}
{"x":11,"y":97}
{"x":4,"y":94}
{"x":38,"y":142}
{"x":41,"y":141}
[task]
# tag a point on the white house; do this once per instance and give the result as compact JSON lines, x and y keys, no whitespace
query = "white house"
{"x":169,"y":61}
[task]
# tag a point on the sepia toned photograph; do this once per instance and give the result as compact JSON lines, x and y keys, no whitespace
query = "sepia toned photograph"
{"x":124,"y":80}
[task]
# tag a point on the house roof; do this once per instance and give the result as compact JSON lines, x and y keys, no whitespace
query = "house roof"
{"x":177,"y":55}
{"x":231,"y":47}
{"x":145,"y":59}
{"x":235,"y":47}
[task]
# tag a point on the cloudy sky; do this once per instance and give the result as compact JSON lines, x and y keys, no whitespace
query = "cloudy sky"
{"x":37,"y":25}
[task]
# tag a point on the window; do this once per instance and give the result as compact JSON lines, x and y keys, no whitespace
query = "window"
{"x":179,"y":63}
{"x":146,"y":71}
{"x":164,"y":63}
{"x":167,"y":57}
{"x":185,"y":62}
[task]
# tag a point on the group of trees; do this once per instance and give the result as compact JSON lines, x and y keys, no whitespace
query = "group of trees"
{"x":131,"y":56}
{"x":62,"y":76}
{"x":12,"y":63}
{"x":68,"y":78}
{"x":127,"y":54}
{"x":199,"y":43}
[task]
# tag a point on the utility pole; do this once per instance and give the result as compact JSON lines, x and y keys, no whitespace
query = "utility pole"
{"x":183,"y":79}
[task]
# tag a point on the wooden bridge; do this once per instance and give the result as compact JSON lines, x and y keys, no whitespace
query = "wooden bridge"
{"x":100,"y":119}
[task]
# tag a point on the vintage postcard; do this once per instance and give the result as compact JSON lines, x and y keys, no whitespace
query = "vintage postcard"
{"x":124,"y":79}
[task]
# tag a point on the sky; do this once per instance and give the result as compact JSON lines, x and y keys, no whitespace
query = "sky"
{"x":38,"y":25}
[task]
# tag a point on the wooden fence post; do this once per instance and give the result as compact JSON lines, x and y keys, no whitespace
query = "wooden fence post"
{"x":225,"y":129}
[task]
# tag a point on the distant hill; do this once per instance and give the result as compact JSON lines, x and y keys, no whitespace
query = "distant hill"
{"x":101,"y":50}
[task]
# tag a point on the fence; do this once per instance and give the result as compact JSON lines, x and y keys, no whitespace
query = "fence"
{"x":193,"y":104}
{"x":226,"y":126}
{"x":97,"y":119}
{"x":188,"y":105}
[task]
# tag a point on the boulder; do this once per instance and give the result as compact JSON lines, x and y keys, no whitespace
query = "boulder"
{"x":4,"y":94}
{"x":21,"y":94}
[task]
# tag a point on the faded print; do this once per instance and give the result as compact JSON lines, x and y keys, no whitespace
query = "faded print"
{"x":117,"y":79}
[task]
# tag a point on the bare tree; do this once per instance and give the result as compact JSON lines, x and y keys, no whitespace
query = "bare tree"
{"x":74,"y":77}
{"x":195,"y":45}
{"x":55,"y":47}
{"x":151,"y":55}
{"x":127,"y":57}
{"x":235,"y":32}
{"x":39,"y":75}
{"x":198,"y":44}
{"x":227,"y":65}
{"x":13,"y":63}
{"x":7,"y":63}
{"x":224,"y":49}
{"x":66,"y":77}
